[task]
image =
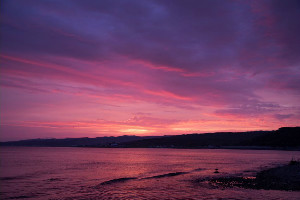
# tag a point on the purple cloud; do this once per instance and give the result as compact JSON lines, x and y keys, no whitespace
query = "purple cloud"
{"x":216,"y":57}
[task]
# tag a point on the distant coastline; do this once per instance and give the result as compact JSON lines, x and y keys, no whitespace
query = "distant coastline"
{"x":285,"y":138}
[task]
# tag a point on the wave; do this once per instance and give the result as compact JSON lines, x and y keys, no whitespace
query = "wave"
{"x":166,"y":175}
{"x":21,"y":197}
{"x":28,"y":175}
{"x":8,"y":178}
{"x":13,"y":177}
{"x":55,"y":179}
{"x":199,"y":169}
{"x":117,"y":180}
{"x":124,"y":179}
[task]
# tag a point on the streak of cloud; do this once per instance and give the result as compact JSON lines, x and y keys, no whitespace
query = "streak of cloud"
{"x":185,"y":63}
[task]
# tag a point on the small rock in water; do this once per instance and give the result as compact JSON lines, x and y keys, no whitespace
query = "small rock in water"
{"x":216,"y":171}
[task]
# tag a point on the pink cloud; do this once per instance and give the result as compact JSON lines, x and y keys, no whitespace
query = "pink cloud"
{"x":193,"y":66}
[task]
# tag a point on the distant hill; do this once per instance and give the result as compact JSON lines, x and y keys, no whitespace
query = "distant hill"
{"x":199,"y":140}
{"x":283,"y":138}
{"x":76,"y":142}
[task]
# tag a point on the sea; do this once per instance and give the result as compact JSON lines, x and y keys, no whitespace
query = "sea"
{"x":67,"y":173}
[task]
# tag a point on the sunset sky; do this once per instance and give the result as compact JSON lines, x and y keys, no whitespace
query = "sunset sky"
{"x":147,"y":67}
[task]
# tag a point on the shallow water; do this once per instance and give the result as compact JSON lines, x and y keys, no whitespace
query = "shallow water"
{"x":93,"y":173}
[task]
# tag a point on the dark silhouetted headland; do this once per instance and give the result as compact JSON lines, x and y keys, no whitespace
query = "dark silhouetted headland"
{"x":283,"y":138}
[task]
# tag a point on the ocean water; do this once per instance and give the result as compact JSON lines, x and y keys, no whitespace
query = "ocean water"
{"x":95,"y":173}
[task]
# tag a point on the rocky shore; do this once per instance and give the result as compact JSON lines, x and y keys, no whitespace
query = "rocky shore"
{"x":285,"y":177}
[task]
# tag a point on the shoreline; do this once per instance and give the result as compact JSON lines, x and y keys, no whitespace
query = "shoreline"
{"x":285,"y":177}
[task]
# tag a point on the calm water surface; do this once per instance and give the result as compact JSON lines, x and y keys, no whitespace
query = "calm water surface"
{"x":91,"y":173}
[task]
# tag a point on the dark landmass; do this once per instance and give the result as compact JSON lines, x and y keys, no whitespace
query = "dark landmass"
{"x":285,"y":138}
{"x":76,"y":142}
{"x":285,"y":177}
{"x":198,"y":140}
